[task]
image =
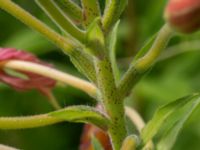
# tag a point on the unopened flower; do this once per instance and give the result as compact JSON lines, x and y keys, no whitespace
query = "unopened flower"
{"x":91,"y":131}
{"x":32,"y":80}
{"x":183,"y":15}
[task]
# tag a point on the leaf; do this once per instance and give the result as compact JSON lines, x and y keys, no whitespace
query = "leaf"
{"x":170,"y":136}
{"x":95,"y":39}
{"x":112,"y":50}
{"x":83,"y":114}
{"x":145,"y":48}
{"x":169,"y":120}
{"x":96,"y":144}
{"x":91,"y":10}
{"x":70,"y":9}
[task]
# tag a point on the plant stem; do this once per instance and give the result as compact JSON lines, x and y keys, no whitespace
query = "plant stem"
{"x":112,"y":102}
{"x":91,"y":10}
{"x":53,"y":74}
{"x":81,"y":114}
{"x":34,"y":23}
{"x":142,"y":65}
{"x":113,"y":10}
{"x":80,"y":59}
{"x":53,"y":11}
{"x":27,"y":122}
{"x":72,"y":10}
{"x":52,"y":100}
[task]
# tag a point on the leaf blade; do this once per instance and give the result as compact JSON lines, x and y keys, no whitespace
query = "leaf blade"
{"x":82,"y":114}
{"x":166,"y":113}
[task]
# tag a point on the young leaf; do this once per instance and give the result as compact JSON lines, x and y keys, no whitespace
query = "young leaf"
{"x":82,"y":114}
{"x":112,"y":51}
{"x":169,"y":137}
{"x":169,"y":120}
{"x":95,"y":39}
{"x":96,"y":144}
{"x":112,"y":12}
{"x":70,"y":9}
{"x":145,"y":48}
{"x":91,"y":10}
{"x":62,"y":21}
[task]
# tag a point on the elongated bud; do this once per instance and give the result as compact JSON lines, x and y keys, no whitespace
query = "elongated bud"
{"x":33,"y":81}
{"x":183,"y":15}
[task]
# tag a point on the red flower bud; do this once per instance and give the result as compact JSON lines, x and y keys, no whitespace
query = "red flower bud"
{"x":33,"y":81}
{"x":86,"y":140}
{"x":90,"y":131}
{"x":183,"y":15}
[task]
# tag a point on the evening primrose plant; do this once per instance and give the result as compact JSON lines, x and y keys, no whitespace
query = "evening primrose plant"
{"x":88,"y":36}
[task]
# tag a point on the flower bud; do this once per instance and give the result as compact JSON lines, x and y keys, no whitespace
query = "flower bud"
{"x":183,"y":15}
{"x":90,"y":131}
{"x":33,"y":81}
{"x":86,"y":139}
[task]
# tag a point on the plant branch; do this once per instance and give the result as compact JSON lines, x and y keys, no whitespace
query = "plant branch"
{"x":113,"y":10}
{"x":81,"y":114}
{"x":112,"y":101}
{"x":91,"y":10}
{"x":54,"y":12}
{"x":52,"y":100}
{"x":80,"y":59}
{"x":53,"y":74}
{"x":37,"y":25}
{"x":72,"y":10}
{"x":142,"y":65}
{"x":27,"y":122}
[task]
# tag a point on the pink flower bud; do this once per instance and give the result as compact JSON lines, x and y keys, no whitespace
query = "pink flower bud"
{"x":183,"y":15}
{"x":90,"y":131}
{"x":33,"y":81}
{"x":86,"y":139}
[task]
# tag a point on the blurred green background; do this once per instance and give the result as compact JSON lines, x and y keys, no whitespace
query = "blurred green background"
{"x":175,"y":75}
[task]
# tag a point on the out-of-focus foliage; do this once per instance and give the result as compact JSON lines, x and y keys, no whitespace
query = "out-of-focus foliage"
{"x":170,"y":79}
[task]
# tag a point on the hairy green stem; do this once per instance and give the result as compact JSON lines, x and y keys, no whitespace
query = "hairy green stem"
{"x":15,"y":10}
{"x":111,"y":101}
{"x":113,"y":10}
{"x":72,"y":10}
{"x":27,"y":122}
{"x":142,"y":65}
{"x":54,"y":12}
{"x":91,"y":10}
{"x":80,"y":59}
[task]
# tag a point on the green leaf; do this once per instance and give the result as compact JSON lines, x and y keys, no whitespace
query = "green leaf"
{"x":83,"y":114}
{"x":145,"y":48}
{"x":91,"y":10}
{"x":95,"y":39}
{"x":112,"y":50}
{"x":169,"y":137}
{"x":112,"y":12}
{"x":169,"y":120}
{"x":71,"y":9}
{"x":96,"y":144}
